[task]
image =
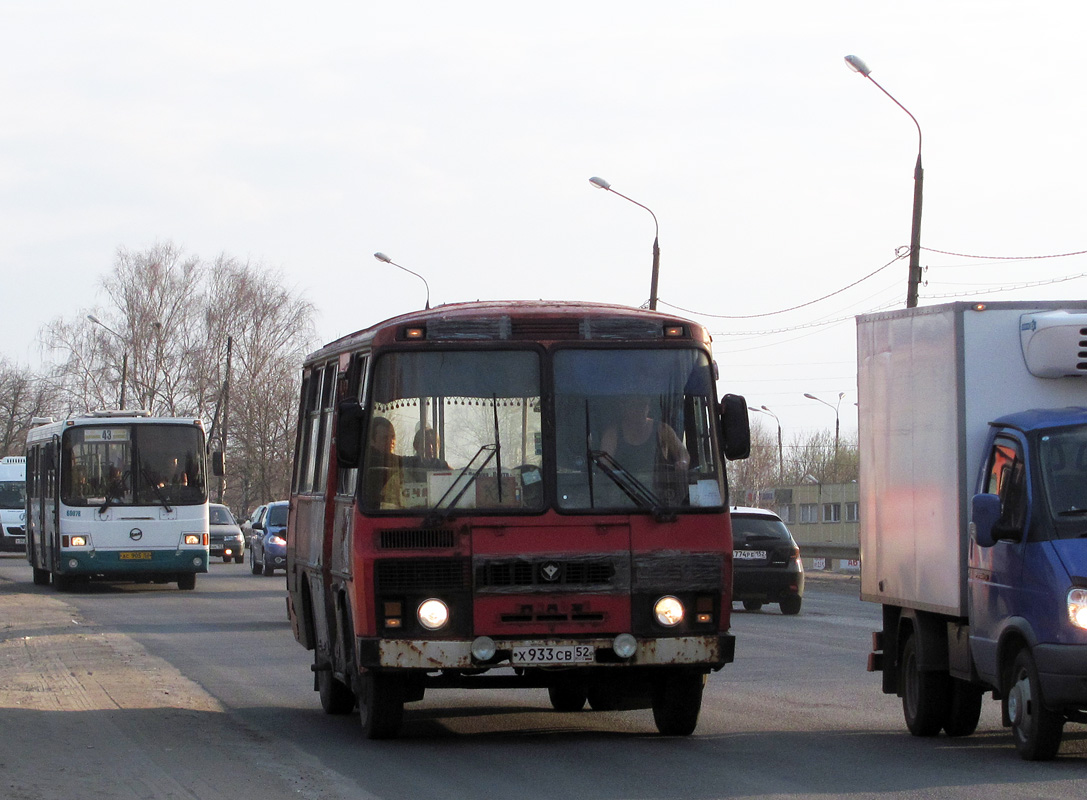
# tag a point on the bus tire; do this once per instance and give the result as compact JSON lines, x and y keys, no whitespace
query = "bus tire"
{"x":336,"y":697}
{"x":186,"y":581}
{"x":62,"y":583}
{"x":1036,"y":729}
{"x":41,"y":577}
{"x":924,"y":694}
{"x":677,"y":701}
{"x":964,"y":710}
{"x":381,"y":705}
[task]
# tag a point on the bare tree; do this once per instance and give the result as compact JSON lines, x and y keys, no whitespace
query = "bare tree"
{"x":23,"y":396}
{"x":170,"y":319}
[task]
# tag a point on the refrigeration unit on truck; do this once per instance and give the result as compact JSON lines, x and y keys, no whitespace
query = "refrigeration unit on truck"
{"x":973,"y":535}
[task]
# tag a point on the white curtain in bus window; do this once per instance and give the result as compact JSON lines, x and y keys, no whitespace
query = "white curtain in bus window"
{"x":454,"y":429}
{"x":635,"y":428}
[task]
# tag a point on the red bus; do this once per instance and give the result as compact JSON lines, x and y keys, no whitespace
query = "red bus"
{"x":514,"y":494}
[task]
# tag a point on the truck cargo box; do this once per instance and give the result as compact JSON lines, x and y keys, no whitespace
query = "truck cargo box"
{"x":929,"y":381}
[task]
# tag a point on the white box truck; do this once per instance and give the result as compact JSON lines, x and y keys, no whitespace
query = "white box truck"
{"x":973,"y":515}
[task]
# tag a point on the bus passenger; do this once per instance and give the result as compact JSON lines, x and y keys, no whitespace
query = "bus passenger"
{"x":648,"y":449}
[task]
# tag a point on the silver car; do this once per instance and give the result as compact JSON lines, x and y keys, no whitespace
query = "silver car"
{"x":225,"y":537}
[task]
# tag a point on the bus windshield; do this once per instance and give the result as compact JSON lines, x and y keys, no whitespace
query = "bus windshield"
{"x":454,"y":429}
{"x":635,"y":428}
{"x":133,"y":465}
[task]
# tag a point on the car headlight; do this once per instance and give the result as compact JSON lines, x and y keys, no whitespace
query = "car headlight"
{"x":668,"y":611}
{"x":1077,"y":607}
{"x":433,"y":614}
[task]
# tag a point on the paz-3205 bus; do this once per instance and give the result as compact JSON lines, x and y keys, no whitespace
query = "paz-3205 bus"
{"x":520,"y":494}
{"x":117,"y":495}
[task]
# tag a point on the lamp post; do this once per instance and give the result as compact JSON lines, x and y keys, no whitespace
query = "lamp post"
{"x":781,"y":456}
{"x":124,"y":358}
{"x":600,"y":183}
{"x":837,"y":419}
{"x":387,"y":260}
{"x":857,"y":65}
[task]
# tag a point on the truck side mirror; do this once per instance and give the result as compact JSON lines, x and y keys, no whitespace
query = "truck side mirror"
{"x":351,"y":421}
{"x":735,"y":427}
{"x":984,"y":514}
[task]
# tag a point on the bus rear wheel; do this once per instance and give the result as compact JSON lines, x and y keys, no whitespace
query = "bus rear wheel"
{"x":381,"y":705}
{"x":336,"y":697}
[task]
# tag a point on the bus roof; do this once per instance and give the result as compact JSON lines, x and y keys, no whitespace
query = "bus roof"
{"x":47,"y":430}
{"x":497,"y":310}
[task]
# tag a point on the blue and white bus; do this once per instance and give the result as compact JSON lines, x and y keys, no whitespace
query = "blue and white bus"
{"x":117,"y":495}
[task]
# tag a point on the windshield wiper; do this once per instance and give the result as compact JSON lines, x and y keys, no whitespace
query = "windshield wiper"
{"x":640,"y":494}
{"x":439,"y":515}
{"x":158,"y":490}
{"x":113,"y":492}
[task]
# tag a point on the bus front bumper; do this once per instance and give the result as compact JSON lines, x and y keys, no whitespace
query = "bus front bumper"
{"x":712,"y":651}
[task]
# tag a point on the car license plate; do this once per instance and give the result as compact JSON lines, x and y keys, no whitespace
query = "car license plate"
{"x":749,"y":555}
{"x":136,"y":555}
{"x":20,"y":540}
{"x":562,"y":654}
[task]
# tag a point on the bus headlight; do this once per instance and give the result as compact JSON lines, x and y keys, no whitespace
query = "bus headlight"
{"x":79,"y":541}
{"x":192,"y":538}
{"x":668,"y":611}
{"x":1077,"y":608}
{"x":433,"y":614}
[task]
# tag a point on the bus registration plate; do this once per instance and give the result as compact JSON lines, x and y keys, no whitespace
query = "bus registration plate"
{"x":136,"y":555}
{"x":560,"y":654}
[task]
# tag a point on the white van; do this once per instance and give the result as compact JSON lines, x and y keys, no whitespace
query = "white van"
{"x":13,"y":504}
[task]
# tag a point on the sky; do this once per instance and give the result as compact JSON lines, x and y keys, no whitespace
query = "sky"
{"x":458,"y":138}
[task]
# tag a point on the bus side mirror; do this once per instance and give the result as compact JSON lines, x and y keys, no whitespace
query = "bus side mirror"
{"x":735,"y":427}
{"x":351,"y":421}
{"x":218,"y":464}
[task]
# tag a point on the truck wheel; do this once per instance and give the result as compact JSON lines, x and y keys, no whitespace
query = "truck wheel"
{"x":676,"y":703}
{"x":381,"y":706}
{"x":1036,"y":729}
{"x":924,"y":694}
{"x":567,"y":697}
{"x":964,"y":709}
{"x":336,"y":697}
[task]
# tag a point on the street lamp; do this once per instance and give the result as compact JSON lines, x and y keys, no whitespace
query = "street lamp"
{"x":837,"y":419}
{"x":914,"y":279}
{"x":781,"y":456}
{"x":387,"y":260}
{"x":124,"y":359}
{"x":600,"y":183}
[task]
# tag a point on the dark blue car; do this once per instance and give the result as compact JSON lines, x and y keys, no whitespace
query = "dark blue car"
{"x":268,"y":547}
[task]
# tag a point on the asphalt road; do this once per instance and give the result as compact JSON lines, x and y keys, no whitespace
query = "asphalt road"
{"x":205,"y":694}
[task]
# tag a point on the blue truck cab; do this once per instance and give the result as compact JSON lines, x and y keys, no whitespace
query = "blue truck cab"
{"x":1028,"y":572}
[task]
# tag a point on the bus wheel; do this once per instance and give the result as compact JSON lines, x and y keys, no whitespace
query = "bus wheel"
{"x":336,"y":698}
{"x":964,"y":710}
{"x":1036,"y":729}
{"x":41,"y":577}
{"x":61,"y":583}
{"x":752,"y":605}
{"x":924,"y":694}
{"x":567,"y":697}
{"x":381,"y":705}
{"x":186,"y":581}
{"x":676,"y":703}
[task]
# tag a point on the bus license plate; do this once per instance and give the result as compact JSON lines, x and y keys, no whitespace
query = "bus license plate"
{"x":136,"y":555}
{"x":563,"y":654}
